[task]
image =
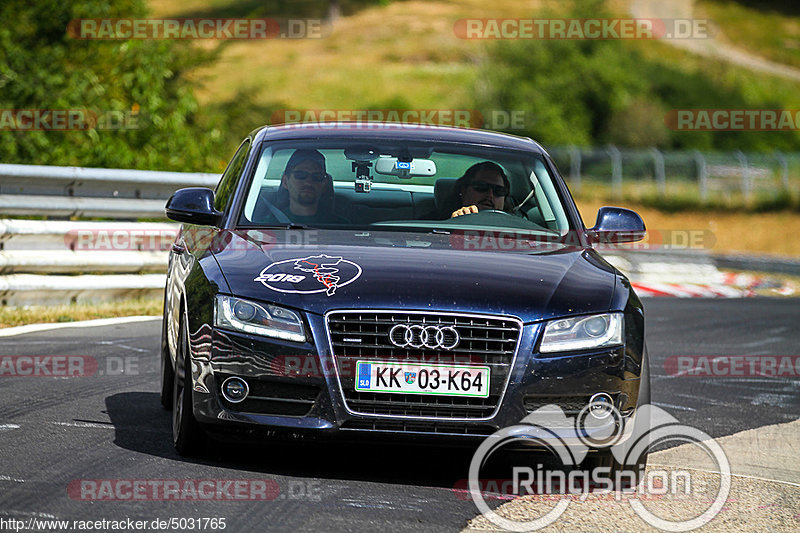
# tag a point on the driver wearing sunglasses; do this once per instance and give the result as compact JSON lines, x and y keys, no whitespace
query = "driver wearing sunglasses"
{"x":309,"y":188}
{"x":483,"y":186}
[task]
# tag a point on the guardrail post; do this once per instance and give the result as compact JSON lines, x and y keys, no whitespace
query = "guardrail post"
{"x":746,"y":185}
{"x":658,"y":166}
{"x":784,"y":170}
{"x":702,"y":174}
{"x":575,"y":168}
{"x":616,"y":171}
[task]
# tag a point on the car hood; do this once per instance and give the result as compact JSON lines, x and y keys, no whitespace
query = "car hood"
{"x":357,"y":271}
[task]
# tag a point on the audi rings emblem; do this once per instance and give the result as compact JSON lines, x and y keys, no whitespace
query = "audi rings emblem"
{"x":419,"y":336}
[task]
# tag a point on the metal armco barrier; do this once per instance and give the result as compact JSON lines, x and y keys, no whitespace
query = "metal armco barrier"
{"x":60,"y":261}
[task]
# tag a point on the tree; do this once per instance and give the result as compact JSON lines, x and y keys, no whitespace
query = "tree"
{"x":42,"y":67}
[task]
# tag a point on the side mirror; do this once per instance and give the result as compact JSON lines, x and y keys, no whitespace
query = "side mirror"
{"x":615,"y":225}
{"x":194,"y":205}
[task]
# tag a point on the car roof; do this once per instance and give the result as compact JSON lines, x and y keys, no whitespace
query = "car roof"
{"x":394,"y":131}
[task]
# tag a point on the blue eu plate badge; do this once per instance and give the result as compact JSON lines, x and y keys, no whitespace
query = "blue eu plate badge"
{"x":364,"y":375}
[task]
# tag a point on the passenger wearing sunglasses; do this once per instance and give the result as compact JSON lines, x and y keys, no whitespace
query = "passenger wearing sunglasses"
{"x":309,"y":189}
{"x":483,"y":186}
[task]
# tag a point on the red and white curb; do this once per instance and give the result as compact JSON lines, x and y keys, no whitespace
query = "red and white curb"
{"x":726,"y":285}
{"x":694,"y":277}
{"x":690,"y":290}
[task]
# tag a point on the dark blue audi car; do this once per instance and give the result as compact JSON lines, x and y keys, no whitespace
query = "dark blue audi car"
{"x":391,"y":279}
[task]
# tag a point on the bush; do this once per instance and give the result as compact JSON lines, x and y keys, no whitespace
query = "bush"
{"x":44,"y":68}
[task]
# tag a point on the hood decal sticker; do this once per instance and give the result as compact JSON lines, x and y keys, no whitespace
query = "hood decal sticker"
{"x":309,"y":275}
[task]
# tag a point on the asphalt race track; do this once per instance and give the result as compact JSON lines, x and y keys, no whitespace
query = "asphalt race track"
{"x":57,"y":432}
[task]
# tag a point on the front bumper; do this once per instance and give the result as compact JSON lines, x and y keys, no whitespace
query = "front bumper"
{"x":295,"y":388}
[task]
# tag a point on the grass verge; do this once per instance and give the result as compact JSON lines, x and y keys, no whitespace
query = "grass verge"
{"x":716,"y":231}
{"x":38,"y":314}
{"x":769,"y":28}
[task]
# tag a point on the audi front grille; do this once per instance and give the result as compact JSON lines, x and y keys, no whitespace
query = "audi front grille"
{"x":419,"y":337}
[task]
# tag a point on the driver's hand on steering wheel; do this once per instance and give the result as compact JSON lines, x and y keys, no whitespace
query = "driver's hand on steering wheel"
{"x":467,"y":210}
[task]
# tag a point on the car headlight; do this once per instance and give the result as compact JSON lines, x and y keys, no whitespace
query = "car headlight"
{"x":582,"y":333}
{"x":258,"y":319}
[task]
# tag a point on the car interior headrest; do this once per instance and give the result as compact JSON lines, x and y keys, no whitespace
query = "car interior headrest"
{"x":445,"y":194}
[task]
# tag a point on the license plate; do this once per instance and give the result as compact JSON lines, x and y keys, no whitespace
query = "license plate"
{"x":434,"y":379}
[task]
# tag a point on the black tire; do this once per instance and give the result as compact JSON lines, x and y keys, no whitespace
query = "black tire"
{"x":167,"y":370}
{"x":604,"y":458}
{"x":643,"y":423}
{"x":187,"y":436}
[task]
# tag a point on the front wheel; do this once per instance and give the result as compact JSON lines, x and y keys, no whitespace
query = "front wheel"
{"x":187,"y":435}
{"x":167,"y":371}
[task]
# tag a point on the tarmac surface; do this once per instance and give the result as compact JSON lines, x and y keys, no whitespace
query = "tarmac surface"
{"x":58,"y":432}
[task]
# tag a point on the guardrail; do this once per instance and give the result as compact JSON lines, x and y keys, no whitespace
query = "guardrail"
{"x":729,"y":177}
{"x":91,"y":192}
{"x":57,"y":261}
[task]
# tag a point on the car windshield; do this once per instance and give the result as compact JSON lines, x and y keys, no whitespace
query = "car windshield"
{"x":401,"y":186}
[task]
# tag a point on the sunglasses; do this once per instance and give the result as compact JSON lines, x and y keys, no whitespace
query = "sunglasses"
{"x":482,"y":186}
{"x":302,"y":175}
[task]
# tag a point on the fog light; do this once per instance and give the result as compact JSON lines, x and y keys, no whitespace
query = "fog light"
{"x":235,"y":389}
{"x":601,"y":405}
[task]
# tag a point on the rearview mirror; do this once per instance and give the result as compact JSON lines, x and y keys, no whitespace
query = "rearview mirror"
{"x":616,"y":224}
{"x":391,"y":166}
{"x":194,"y":205}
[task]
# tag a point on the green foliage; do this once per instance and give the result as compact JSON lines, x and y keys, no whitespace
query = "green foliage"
{"x":42,"y":67}
{"x":593,"y":92}
{"x":282,"y":8}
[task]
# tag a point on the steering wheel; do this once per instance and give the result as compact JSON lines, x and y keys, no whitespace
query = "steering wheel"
{"x":495,"y":211}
